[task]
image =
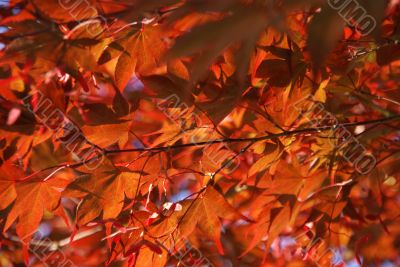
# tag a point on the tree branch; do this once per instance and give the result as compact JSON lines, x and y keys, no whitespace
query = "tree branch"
{"x":255,"y":139}
{"x":218,"y":141}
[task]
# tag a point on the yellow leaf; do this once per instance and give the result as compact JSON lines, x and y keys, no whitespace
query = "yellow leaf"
{"x":320,"y":95}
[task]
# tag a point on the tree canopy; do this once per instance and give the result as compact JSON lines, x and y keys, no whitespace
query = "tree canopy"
{"x":200,"y":133}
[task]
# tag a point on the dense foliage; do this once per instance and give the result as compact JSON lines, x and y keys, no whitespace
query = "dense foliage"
{"x":200,"y":133}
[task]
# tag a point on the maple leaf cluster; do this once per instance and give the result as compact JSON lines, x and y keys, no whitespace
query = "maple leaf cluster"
{"x":199,"y":133}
